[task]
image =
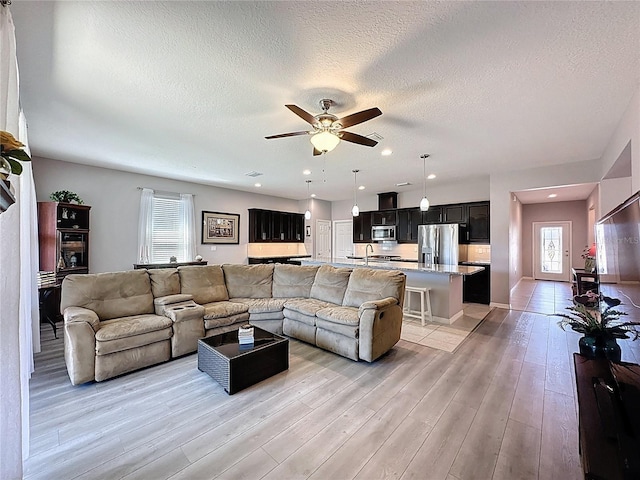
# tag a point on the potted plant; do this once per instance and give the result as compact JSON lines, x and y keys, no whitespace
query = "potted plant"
{"x":596,"y":317}
{"x":65,"y":196}
{"x":11,"y":150}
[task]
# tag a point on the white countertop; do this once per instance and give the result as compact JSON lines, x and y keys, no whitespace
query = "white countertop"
{"x":391,"y":265}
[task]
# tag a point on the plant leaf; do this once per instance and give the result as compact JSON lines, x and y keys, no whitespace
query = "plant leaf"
{"x":16,"y":167}
{"x":18,"y":155}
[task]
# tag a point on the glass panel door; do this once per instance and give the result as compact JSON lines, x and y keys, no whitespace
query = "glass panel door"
{"x":552,"y":251}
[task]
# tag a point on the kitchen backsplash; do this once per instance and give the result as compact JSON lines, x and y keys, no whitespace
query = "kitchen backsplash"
{"x":467,"y":253}
{"x":275,"y":249}
{"x":478,"y":253}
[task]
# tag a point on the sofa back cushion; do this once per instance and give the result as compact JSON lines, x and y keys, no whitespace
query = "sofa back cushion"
{"x":291,"y":281}
{"x":330,"y":284}
{"x":248,"y":281}
{"x":204,"y":282}
{"x":109,"y":295}
{"x":367,"y":284}
{"x":164,"y":281}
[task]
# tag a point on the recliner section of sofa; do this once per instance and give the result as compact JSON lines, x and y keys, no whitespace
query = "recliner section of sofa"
{"x":122,"y":321}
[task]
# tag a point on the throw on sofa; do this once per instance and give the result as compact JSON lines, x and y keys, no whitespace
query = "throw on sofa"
{"x":118,"y":322}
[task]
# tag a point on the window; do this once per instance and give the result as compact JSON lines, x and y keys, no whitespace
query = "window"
{"x":167,"y":227}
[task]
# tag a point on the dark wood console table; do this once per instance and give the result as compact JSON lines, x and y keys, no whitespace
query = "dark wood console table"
{"x":49,"y":299}
{"x":583,"y":281}
{"x":609,"y":418}
{"x":149,"y":266}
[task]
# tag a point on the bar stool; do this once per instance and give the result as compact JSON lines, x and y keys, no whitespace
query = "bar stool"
{"x":425,"y":300}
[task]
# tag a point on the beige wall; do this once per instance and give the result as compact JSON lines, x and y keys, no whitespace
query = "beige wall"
{"x":115,"y":201}
{"x":574,"y":212}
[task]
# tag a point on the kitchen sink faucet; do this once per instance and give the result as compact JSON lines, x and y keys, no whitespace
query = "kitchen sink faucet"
{"x":366,"y":253}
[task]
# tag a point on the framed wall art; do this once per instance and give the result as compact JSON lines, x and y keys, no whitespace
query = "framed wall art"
{"x":218,"y":227}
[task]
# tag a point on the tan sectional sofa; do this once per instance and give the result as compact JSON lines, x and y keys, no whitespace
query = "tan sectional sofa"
{"x":118,"y":322}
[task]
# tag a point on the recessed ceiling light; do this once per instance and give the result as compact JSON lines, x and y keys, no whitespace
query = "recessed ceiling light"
{"x":386,"y":152}
{"x":257,"y":184}
{"x":313,"y":195}
{"x":552,"y":195}
{"x":361,"y":187}
{"x":306,"y":172}
{"x":431,"y":176}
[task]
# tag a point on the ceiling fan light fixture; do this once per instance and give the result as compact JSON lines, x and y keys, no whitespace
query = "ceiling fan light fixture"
{"x":325,"y":141}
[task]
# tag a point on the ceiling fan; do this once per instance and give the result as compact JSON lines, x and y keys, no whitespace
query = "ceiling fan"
{"x":328,"y":129}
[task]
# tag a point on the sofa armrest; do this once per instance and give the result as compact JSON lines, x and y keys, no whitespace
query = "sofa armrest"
{"x":380,"y":327}
{"x":377,"y":305}
{"x":80,"y":326}
{"x":161,"y":302}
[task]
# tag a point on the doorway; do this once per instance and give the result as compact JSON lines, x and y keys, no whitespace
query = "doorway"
{"x":552,"y":251}
{"x":323,"y":239}
{"x":342,"y":238}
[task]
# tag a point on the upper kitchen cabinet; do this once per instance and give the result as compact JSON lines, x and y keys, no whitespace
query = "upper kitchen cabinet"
{"x":433,"y":215}
{"x":362,"y":228}
{"x":408,"y":221}
{"x":274,"y":226}
{"x":454,"y":213}
{"x":478,"y":222}
{"x":384,"y":217}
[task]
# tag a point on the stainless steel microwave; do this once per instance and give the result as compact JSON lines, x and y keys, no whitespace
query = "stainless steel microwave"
{"x":383,"y":232}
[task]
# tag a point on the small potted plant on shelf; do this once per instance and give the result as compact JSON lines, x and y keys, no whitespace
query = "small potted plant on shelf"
{"x":65,"y":196}
{"x":596,"y":316}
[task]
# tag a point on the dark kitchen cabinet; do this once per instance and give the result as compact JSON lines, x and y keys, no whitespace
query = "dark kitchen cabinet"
{"x":478,"y":222}
{"x":477,"y":287}
{"x":362,"y":228}
{"x":408,"y":221}
{"x":384,"y":217}
{"x":274,"y":226}
{"x":454,"y":213}
{"x":433,"y":215}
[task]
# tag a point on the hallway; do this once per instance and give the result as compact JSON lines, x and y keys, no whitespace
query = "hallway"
{"x":541,"y":296}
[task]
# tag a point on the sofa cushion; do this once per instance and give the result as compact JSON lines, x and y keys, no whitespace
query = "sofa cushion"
{"x":307,"y":306}
{"x":340,"y":315}
{"x":110,"y":295}
{"x":367,"y":285}
{"x":225,"y":321}
{"x":164,"y":281}
{"x":130,"y":326}
{"x":205,"y":283}
{"x":351,"y":331}
{"x":291,"y":281}
{"x":262,"y":305}
{"x":330,"y":284}
{"x":223,"y":309}
{"x":248,"y":281}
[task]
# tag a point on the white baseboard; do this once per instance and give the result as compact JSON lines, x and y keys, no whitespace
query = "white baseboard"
{"x":506,"y":306}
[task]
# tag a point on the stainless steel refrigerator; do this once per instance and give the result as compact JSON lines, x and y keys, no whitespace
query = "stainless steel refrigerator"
{"x":438,"y":244}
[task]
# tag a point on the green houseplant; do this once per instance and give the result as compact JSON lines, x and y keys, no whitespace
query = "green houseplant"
{"x":11,"y":150}
{"x":597,"y":318}
{"x":65,"y":196}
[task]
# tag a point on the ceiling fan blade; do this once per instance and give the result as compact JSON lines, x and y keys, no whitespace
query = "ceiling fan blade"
{"x":306,"y":116}
{"x":316,"y":152}
{"x":360,"y":117}
{"x":359,"y":139}
{"x":292,"y":134}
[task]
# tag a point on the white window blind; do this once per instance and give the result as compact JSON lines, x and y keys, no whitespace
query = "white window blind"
{"x":167,"y":227}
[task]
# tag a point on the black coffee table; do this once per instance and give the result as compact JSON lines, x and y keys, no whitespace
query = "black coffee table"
{"x":236,"y":366}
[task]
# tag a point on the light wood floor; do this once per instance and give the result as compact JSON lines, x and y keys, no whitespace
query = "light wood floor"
{"x":502,"y":407}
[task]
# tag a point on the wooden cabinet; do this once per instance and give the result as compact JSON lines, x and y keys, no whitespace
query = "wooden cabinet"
{"x":478,"y":222}
{"x":63,"y":237}
{"x":275,"y":226}
{"x":433,"y":215}
{"x":454,"y":213}
{"x":362,"y":228}
{"x":384,"y":217}
{"x":408,"y":221}
{"x":477,"y":287}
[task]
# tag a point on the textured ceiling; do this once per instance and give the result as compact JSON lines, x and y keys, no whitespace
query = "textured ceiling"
{"x":189,"y":90}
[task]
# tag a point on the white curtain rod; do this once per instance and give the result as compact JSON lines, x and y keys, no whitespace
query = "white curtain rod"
{"x":165,"y":191}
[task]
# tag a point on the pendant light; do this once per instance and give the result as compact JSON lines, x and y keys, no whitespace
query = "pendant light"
{"x":307,"y":214}
{"x":355,"y":211}
{"x":424,"y":203}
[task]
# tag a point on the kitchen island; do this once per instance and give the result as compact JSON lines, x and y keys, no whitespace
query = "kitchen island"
{"x":445,"y":281}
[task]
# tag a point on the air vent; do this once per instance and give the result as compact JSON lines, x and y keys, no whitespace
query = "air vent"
{"x":375,"y":136}
{"x":403,"y":184}
{"x":253,"y":173}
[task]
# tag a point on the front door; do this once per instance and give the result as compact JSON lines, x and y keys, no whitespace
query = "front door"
{"x":343,"y":238}
{"x":323,"y":238}
{"x":552,"y":251}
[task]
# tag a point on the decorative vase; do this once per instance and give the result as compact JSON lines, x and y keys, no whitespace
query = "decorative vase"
{"x":589,"y":264}
{"x":600,"y":346}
